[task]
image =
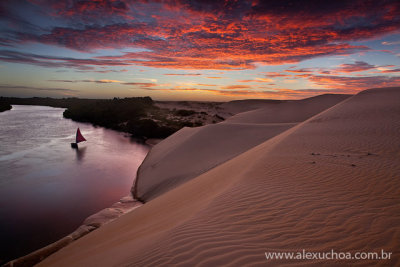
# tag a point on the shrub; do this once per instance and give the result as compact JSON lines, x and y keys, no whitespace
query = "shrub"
{"x":184,"y":112}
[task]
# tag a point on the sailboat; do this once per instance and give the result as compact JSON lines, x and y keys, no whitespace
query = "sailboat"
{"x":79,"y":138}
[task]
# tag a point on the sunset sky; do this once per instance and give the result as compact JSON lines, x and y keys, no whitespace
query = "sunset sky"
{"x":197,"y":50}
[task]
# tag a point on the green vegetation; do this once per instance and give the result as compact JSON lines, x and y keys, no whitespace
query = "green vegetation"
{"x":138,"y":116}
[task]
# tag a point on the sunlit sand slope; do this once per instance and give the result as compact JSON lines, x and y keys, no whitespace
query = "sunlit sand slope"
{"x":193,"y":151}
{"x":196,"y":150}
{"x":289,"y":111}
{"x":332,"y":182}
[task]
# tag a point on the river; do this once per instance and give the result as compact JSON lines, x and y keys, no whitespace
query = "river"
{"x":47,"y":188}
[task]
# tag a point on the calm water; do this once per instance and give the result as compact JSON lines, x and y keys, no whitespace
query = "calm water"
{"x":47,"y":188}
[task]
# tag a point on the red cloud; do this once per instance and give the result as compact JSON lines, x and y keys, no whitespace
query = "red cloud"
{"x":276,"y":74}
{"x":354,"y":84}
{"x":85,"y":9}
{"x":236,"y":87}
{"x":391,"y":71}
{"x":224,"y":35}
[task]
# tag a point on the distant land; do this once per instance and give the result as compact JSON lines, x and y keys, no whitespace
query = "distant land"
{"x":143,"y":117}
{"x":140,"y":116}
{"x":318,"y":174}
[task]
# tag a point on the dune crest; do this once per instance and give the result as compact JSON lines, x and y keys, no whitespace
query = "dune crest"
{"x":331,"y":182}
{"x":193,"y":151}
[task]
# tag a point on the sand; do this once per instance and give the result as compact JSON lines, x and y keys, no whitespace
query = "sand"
{"x":331,"y":182}
{"x":223,"y":109}
{"x":193,"y":151}
{"x":289,"y":111}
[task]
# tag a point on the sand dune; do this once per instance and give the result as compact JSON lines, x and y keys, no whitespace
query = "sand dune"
{"x":193,"y":151}
{"x":331,"y":182}
{"x":239,"y":106}
{"x":288,"y":111}
{"x":225,"y":109}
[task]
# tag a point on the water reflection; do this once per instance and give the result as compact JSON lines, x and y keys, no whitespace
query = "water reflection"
{"x":46,"y":188}
{"x":80,"y":153}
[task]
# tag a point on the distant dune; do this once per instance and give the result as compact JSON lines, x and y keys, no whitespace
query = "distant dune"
{"x":331,"y":182}
{"x":289,"y":111}
{"x":193,"y":151}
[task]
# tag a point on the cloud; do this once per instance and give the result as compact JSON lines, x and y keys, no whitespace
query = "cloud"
{"x":82,"y":64}
{"x":103,"y":71}
{"x":391,"y":43}
{"x":66,"y":90}
{"x":217,"y":35}
{"x":277,"y":93}
{"x":304,"y":70}
{"x":290,"y":81}
{"x":235,"y":86}
{"x":276,"y":74}
{"x":141,"y":84}
{"x":107,"y":81}
{"x":385,"y":70}
{"x":355,"y":67}
{"x":258,"y":80}
{"x":246,"y":81}
{"x":354,"y":83}
{"x":87,"y":81}
{"x":182,"y":74}
{"x":205,"y":84}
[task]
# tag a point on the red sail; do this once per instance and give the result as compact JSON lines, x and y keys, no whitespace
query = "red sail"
{"x":79,"y":136}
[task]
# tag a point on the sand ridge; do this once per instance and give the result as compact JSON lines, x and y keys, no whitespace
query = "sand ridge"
{"x":331,"y":182}
{"x":193,"y":151}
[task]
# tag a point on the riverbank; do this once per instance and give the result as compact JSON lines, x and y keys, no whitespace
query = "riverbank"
{"x":229,"y":140}
{"x":329,"y":182}
{"x":139,"y":116}
{"x":231,"y":108}
{"x":226,"y":109}
{"x":4,"y":107}
{"x":93,"y":222}
{"x":142,"y":117}
{"x":43,"y":178}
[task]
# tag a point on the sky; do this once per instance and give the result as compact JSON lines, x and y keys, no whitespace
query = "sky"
{"x":210,"y":50}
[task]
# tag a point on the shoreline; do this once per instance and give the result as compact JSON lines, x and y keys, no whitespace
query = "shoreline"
{"x":292,"y":191}
{"x":5,"y":107}
{"x":120,"y":205}
{"x":91,"y":223}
